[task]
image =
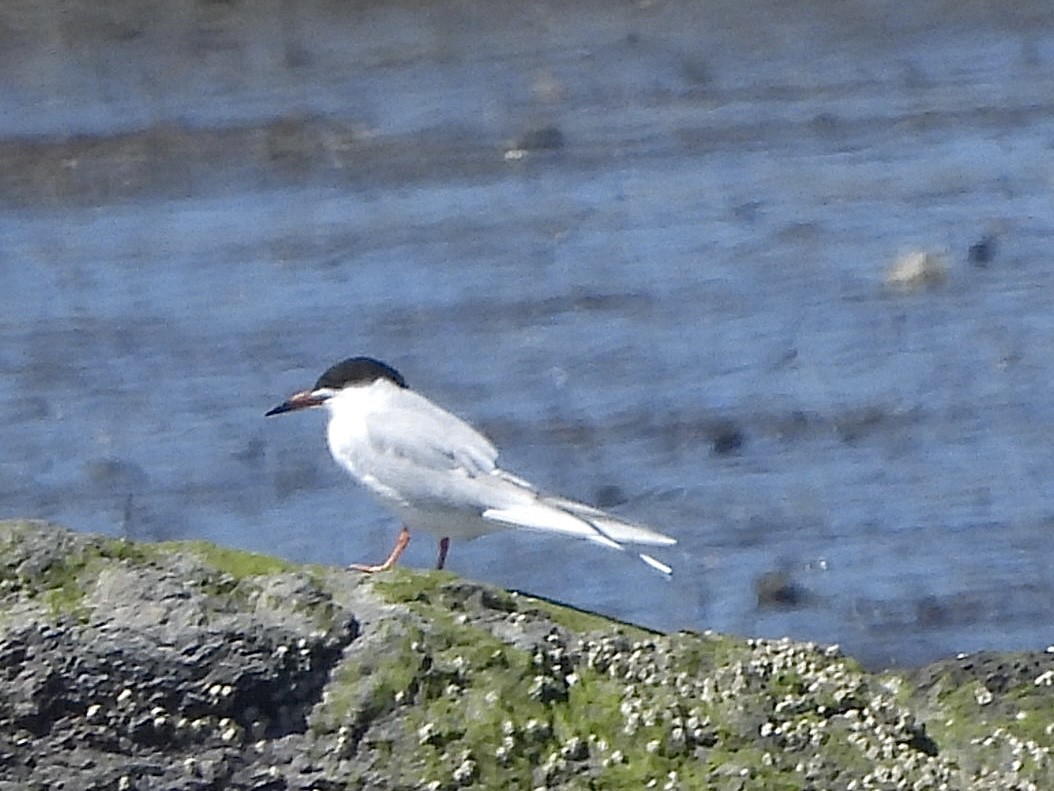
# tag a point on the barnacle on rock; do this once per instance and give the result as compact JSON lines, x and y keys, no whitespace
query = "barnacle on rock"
{"x":408,"y":680}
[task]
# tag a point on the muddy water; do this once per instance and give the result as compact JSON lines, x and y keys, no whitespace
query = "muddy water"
{"x":642,"y":245}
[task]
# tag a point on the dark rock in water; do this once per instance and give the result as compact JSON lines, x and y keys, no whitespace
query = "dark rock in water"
{"x":541,"y":138}
{"x":727,"y":437}
{"x":983,"y":251}
{"x":186,"y":666}
{"x":777,"y":589}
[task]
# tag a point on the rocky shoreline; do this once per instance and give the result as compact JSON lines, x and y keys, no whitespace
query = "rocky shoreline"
{"x":187,"y":666}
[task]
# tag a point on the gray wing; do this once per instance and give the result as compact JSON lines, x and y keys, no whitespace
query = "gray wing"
{"x":420,"y":453}
{"x":428,"y":436}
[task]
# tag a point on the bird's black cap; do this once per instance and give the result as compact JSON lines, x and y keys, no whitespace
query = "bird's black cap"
{"x":358,"y":371}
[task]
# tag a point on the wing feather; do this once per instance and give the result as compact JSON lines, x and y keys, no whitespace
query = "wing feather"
{"x":427,"y":435}
{"x":421,"y":453}
{"x":617,"y":529}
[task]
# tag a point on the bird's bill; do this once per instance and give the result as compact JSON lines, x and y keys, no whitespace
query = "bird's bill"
{"x":302,"y":400}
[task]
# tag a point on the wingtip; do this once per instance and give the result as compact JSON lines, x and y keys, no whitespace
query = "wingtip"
{"x":658,"y":565}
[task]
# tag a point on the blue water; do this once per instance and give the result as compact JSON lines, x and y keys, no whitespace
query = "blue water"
{"x":698,"y":256}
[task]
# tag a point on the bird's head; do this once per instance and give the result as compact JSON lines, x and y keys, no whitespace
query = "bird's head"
{"x":353,"y":372}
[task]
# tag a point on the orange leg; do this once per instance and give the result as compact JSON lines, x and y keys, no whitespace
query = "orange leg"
{"x":444,"y":545}
{"x":400,"y":547}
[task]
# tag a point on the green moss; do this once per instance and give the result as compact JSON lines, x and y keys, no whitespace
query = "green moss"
{"x":483,"y":706}
{"x":406,"y":586}
{"x":468,"y":699}
{"x":749,"y":764}
{"x":239,"y":564}
{"x":1034,"y":715}
{"x":58,"y":580}
{"x":374,"y":682}
{"x":579,"y":621}
{"x":481,"y":709}
{"x":67,"y":598}
{"x":447,"y":592}
{"x":698,"y":654}
{"x":981,"y":732}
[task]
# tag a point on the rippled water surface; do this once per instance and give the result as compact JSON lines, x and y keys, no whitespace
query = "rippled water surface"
{"x":673,"y":303}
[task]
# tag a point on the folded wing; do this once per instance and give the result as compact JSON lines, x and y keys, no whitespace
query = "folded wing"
{"x":426,"y":453}
{"x":424,"y":435}
{"x":567,"y":517}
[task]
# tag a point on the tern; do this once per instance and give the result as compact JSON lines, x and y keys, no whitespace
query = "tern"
{"x":437,"y":472}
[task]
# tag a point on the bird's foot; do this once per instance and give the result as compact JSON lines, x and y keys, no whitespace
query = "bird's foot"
{"x":400,"y":546}
{"x":367,"y":569}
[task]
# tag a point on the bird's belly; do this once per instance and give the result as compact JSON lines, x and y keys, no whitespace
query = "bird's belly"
{"x":445,"y":523}
{"x":427,"y":513}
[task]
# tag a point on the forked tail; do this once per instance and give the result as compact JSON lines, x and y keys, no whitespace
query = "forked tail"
{"x":559,"y":515}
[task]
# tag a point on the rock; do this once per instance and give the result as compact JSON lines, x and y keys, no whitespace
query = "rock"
{"x":186,"y":666}
{"x":726,"y":438}
{"x":982,"y":252}
{"x":778,"y":589}
{"x":535,"y":139}
{"x":918,"y":270}
{"x":541,"y":138}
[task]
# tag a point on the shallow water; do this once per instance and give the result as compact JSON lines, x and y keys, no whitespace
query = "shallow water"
{"x":679,"y":312}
